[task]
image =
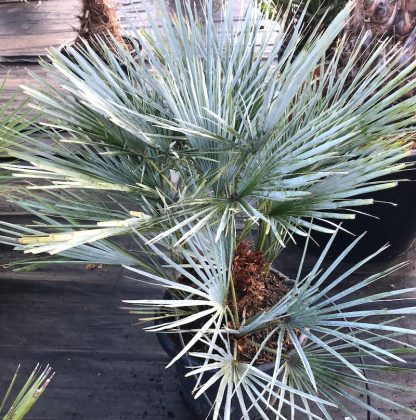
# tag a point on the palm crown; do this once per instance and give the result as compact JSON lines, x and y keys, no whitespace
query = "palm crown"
{"x":205,"y":127}
{"x":253,"y":128}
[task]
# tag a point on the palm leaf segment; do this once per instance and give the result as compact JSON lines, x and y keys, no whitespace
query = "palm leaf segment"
{"x":15,"y":119}
{"x":250,"y":124}
{"x":27,"y":395}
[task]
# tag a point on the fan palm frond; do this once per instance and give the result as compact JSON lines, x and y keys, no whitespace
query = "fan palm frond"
{"x":201,"y":292}
{"x":348,"y":390}
{"x":247,"y":384}
{"x":333,"y":333}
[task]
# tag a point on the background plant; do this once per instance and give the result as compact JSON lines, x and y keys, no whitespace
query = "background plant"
{"x":392,"y":21}
{"x":28,"y":395}
{"x":204,"y":128}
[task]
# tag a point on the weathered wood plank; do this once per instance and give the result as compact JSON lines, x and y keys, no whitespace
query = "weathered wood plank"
{"x":136,"y":12}
{"x":8,"y":209}
{"x":16,"y":75}
{"x":29,"y":28}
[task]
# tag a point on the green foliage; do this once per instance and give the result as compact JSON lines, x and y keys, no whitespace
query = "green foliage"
{"x":28,"y":395}
{"x":14,"y":119}
{"x":205,"y":127}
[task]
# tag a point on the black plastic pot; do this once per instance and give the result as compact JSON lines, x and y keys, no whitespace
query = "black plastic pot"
{"x":201,"y":407}
{"x":395,"y":225}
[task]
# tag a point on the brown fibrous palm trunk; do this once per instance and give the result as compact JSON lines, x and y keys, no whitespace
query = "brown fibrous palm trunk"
{"x":381,"y":19}
{"x":394,"y":18}
{"x":99,"y":18}
{"x":393,"y":21}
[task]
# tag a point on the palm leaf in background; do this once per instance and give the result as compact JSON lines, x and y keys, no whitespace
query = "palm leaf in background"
{"x":255,"y":128}
{"x":28,"y":395}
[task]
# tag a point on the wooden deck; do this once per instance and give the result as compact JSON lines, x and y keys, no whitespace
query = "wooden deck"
{"x":70,"y":317}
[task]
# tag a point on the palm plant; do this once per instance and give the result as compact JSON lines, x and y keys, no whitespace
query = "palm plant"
{"x":209,"y":136}
{"x":28,"y":395}
{"x":99,"y":17}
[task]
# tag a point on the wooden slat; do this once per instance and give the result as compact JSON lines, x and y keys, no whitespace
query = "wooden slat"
{"x":16,"y":75}
{"x":8,"y":209}
{"x":29,"y":28}
{"x":135,"y":12}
